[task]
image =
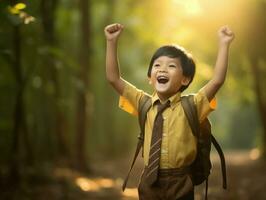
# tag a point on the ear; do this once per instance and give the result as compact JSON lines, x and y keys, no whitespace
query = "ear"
{"x":149,"y":79}
{"x":185,"y":81}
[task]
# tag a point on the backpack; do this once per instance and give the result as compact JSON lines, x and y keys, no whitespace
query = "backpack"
{"x":201,"y":166}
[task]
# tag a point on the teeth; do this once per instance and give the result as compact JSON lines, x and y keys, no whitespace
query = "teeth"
{"x":162,"y":79}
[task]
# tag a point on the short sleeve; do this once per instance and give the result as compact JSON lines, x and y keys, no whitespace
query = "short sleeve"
{"x":130,"y":99}
{"x":204,"y":107}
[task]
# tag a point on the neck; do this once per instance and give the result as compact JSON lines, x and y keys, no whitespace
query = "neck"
{"x":164,"y":97}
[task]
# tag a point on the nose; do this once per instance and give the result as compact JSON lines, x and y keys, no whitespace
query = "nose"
{"x":163,"y":68}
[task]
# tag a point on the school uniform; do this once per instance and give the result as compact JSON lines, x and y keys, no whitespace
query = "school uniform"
{"x":178,"y":145}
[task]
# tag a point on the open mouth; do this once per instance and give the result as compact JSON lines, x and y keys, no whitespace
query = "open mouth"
{"x":162,"y":79}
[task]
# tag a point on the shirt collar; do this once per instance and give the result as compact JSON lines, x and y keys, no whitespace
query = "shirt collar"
{"x":173,"y":99}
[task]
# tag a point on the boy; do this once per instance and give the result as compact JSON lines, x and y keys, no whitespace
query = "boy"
{"x":171,"y":70}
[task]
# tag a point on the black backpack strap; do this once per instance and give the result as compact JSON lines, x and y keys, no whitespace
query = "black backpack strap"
{"x":206,"y":188}
{"x":144,"y":106}
{"x":222,"y":159}
{"x":191,"y":113}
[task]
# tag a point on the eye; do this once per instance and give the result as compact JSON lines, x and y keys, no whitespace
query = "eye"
{"x":172,"y":66}
{"x":156,"y":65}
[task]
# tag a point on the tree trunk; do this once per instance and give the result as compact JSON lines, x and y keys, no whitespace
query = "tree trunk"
{"x":261,"y":101}
{"x":48,"y":9}
{"x":20,"y":129}
{"x":82,"y":115}
{"x":256,"y":52}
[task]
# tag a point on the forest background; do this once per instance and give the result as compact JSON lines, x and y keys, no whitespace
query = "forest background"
{"x":57,"y":110}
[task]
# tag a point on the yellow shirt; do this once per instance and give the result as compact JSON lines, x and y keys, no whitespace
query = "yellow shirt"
{"x":178,"y":142}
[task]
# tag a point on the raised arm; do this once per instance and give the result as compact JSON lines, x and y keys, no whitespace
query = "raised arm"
{"x":226,"y":36}
{"x":112,"y":33}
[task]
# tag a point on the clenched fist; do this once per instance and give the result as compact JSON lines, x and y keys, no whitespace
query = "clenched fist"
{"x":226,"y":36}
{"x":113,"y":31}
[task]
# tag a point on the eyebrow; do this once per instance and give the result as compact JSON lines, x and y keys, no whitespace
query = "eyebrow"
{"x":173,"y":61}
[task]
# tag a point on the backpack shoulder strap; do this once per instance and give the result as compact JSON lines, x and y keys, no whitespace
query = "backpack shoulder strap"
{"x":143,"y":107}
{"x":191,"y":113}
{"x":222,"y":159}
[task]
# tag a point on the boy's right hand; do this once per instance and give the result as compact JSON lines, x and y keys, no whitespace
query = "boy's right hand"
{"x":113,"y":31}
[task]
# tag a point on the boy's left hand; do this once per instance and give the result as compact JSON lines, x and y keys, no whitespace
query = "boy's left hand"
{"x":226,"y":36}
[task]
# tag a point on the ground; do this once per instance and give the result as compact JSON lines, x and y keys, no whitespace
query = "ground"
{"x":246,"y":181}
{"x":246,"y":178}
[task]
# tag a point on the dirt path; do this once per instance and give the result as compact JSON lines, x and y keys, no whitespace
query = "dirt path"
{"x":246,"y":179}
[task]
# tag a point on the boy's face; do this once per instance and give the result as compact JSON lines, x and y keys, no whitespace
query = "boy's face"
{"x":167,"y":76}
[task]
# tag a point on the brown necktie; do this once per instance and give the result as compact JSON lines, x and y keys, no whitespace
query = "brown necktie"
{"x":155,"y":148}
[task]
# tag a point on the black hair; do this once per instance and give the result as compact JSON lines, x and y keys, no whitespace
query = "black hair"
{"x":173,"y":51}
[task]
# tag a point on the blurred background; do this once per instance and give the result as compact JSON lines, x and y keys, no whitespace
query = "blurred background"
{"x":62,"y":135}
